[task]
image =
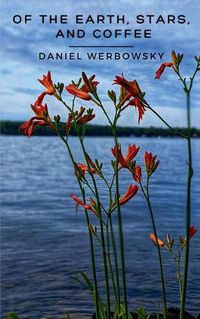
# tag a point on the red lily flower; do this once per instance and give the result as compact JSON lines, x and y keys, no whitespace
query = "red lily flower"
{"x":151,"y":163}
{"x":83,"y":91}
{"x":137,"y":174}
{"x":89,"y":85}
{"x":72,"y":89}
{"x":159,"y":241}
{"x":93,"y":85}
{"x":79,"y":118}
{"x":174,"y":56}
{"x":132,"y":190}
{"x":125,"y":160}
{"x":85,"y":118}
{"x":176,"y":60}
{"x":42,"y":111}
{"x":124,"y":100}
{"x":91,"y":207}
{"x":92,"y":167}
{"x":124,"y":96}
{"x":42,"y":118}
{"x":81,"y":203}
{"x":131,"y":86}
{"x":48,"y":84}
{"x":68,"y":123}
{"x":140,"y":106}
{"x":161,"y":69}
{"x":133,"y":90}
{"x":39,"y":109}
{"x":29,"y":126}
{"x":40,"y":98}
{"x":82,"y":169}
{"x":192,"y":231}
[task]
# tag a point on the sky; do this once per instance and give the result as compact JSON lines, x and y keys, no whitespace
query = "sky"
{"x":20,"y":67}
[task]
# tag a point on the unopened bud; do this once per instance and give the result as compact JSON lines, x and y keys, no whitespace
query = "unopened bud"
{"x":93,"y":229}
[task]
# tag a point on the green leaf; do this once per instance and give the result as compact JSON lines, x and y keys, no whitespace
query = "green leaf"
{"x":122,"y":313}
{"x":112,"y":96}
{"x":142,"y":313}
{"x":88,"y":283}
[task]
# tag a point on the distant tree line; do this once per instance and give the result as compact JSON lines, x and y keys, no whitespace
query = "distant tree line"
{"x":12,"y":128}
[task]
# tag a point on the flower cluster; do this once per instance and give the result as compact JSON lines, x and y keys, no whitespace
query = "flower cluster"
{"x":86,"y":89}
{"x":89,"y":86}
{"x":90,"y":173}
{"x":132,"y":94}
{"x":42,"y":118}
{"x":169,"y":242}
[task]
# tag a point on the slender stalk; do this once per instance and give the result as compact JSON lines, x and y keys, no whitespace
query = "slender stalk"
{"x":113,"y":242}
{"x":187,"y":89}
{"x":93,"y":192}
{"x":98,"y":207}
{"x":103,"y":251}
{"x":169,"y":126}
{"x":90,"y":235}
{"x":113,"y":126}
{"x":101,"y":228}
{"x":188,"y":208}
{"x":147,"y":196}
{"x":110,"y":263}
{"x":120,"y":226}
{"x":179,"y":277}
{"x":115,"y":261}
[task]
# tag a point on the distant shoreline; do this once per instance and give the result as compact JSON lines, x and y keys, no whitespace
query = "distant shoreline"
{"x":12,"y":128}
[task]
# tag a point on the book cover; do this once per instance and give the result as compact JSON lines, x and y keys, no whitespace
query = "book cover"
{"x":104,"y":68}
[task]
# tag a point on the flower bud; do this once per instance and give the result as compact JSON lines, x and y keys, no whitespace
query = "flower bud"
{"x":93,"y":229}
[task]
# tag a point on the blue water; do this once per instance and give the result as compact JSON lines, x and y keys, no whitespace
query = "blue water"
{"x":44,"y":239}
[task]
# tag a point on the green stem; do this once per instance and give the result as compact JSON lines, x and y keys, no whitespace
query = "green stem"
{"x":113,"y":126}
{"x":93,"y":192}
{"x":188,"y":209}
{"x":158,"y":248}
{"x":169,"y":126}
{"x":90,"y":235}
{"x":98,"y":207}
{"x":177,"y":259}
{"x":103,"y":251}
{"x":110,"y":263}
{"x":187,"y":89}
{"x":113,"y":242}
{"x":101,"y":227}
{"x":115,"y":260}
{"x":120,"y":226}
{"x":179,"y":277}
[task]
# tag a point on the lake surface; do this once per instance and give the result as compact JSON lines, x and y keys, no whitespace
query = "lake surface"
{"x":44,"y":239}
